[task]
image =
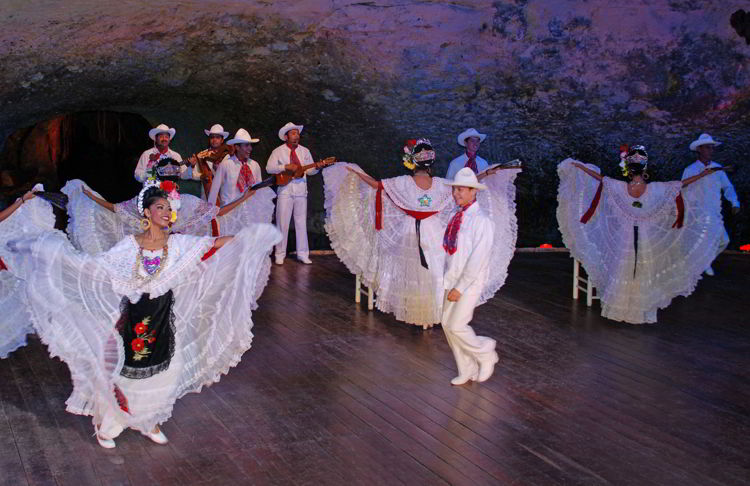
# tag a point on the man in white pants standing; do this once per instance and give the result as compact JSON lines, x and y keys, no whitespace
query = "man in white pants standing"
{"x":704,"y":145}
{"x":468,"y":243}
{"x":291,"y":198}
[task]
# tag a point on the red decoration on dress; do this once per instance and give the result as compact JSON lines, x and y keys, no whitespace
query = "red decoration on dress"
{"x":140,"y":328}
{"x":680,"y":211}
{"x":2,"y":265}
{"x":209,"y":253}
{"x":121,"y":400}
{"x":419,"y":215}
{"x":594,"y":204}
{"x":137,"y":344}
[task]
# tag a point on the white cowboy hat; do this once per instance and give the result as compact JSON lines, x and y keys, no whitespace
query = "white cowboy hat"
{"x":470,"y":133}
{"x":287,"y":127}
{"x":216,"y":130}
{"x":704,"y":139}
{"x":466,"y":178}
{"x":161,"y":128}
{"x":242,"y":137}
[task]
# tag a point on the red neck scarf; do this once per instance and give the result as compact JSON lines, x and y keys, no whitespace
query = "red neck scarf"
{"x":450,"y":238}
{"x":472,"y":162}
{"x":293,"y":159}
{"x":245,"y":179}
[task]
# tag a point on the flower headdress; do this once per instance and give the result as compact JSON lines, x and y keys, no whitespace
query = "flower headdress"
{"x":632,"y":155}
{"x":425,"y":158}
{"x":168,"y":187}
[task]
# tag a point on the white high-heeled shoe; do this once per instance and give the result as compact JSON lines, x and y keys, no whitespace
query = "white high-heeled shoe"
{"x":157,"y":437}
{"x":105,"y":443}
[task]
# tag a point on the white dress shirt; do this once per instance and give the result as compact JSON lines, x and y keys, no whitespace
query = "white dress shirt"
{"x":469,"y":266}
{"x":143,"y":164}
{"x":280,"y":158}
{"x":225,"y":179}
{"x":459,"y":162}
{"x":726,"y":187}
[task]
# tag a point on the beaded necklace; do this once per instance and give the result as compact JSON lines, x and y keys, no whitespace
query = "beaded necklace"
{"x":152,"y":266}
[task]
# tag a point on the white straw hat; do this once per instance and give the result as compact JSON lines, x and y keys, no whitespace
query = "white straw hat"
{"x":242,"y":137}
{"x":161,"y":128}
{"x":470,"y":133}
{"x":466,"y":178}
{"x":216,"y":130}
{"x":704,"y":139}
{"x":287,"y":127}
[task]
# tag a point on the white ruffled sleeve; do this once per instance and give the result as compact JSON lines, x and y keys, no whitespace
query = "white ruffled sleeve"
{"x":350,"y":218}
{"x":499,"y":203}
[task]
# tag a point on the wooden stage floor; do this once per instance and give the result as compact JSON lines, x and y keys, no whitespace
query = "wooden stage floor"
{"x":333,"y":394}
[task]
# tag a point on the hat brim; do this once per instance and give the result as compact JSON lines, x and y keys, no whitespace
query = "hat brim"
{"x":462,"y":138}
{"x":156,"y":131}
{"x":697,"y":143}
{"x":235,"y":141}
{"x":472,"y":185}
{"x":209,"y":133}
{"x":282,"y":132}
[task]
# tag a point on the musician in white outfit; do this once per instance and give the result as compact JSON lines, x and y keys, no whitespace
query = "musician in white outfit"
{"x":470,"y":139}
{"x":162,"y":135}
{"x":291,"y":198}
{"x":236,"y":173}
{"x":704,"y":145}
{"x":468,"y":244}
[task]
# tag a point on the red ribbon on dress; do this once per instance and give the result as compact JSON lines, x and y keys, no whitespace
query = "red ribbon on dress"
{"x":2,"y":265}
{"x":594,"y":204}
{"x":209,"y":254}
{"x":680,"y":211}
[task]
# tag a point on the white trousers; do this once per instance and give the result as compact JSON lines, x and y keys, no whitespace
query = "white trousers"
{"x":467,"y":347}
{"x":285,"y":207}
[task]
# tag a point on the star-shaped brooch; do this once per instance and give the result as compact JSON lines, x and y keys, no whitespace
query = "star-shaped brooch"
{"x":425,"y":201}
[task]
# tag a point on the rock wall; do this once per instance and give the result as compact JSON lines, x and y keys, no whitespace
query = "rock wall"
{"x":546,"y":79}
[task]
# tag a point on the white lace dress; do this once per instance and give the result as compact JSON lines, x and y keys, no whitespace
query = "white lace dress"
{"x":32,"y":218}
{"x":388,"y":259}
{"x":632,"y":249}
{"x":94,"y":229}
{"x":76,"y":303}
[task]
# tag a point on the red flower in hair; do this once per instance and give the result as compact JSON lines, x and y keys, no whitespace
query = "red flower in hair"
{"x":624,"y":148}
{"x":167,"y":186}
{"x":137,"y":344}
{"x":411,"y":142}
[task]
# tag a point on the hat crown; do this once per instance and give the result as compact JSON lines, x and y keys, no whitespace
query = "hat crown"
{"x":217,"y":128}
{"x":465,"y":175}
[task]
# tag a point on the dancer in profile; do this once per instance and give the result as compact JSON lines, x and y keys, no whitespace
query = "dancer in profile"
{"x":153,"y":318}
{"x":391,"y":231}
{"x":642,"y":243}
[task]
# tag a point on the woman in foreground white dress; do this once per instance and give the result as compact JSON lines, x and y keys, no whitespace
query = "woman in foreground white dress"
{"x":27,"y":216}
{"x":391,"y":231}
{"x":641,"y":244}
{"x":153,"y":318}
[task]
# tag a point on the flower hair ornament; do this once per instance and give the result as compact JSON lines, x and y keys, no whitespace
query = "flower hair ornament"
{"x":425,"y":158}
{"x":632,"y":155}
{"x":168,"y":187}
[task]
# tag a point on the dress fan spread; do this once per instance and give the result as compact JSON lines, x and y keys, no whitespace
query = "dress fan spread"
{"x":642,"y":252}
{"x":136,"y":339}
{"x":32,"y":218}
{"x":389,"y":259}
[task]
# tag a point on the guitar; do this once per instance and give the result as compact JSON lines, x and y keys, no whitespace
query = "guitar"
{"x":288,"y":176}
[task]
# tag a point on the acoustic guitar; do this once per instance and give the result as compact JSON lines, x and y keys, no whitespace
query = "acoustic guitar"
{"x":284,"y":178}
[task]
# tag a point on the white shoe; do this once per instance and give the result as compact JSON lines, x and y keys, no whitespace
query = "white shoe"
{"x":709,"y":271}
{"x":157,"y":437}
{"x":305,"y":260}
{"x":463,"y":379}
{"x":106,"y":443}
{"x":279,"y":261}
{"x":487,"y":367}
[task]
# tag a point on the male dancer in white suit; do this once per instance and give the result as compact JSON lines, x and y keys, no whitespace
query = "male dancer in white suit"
{"x":468,"y":244}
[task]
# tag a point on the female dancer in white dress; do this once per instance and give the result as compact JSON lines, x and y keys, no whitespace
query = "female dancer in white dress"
{"x":641,"y":244}
{"x":155,"y":317}
{"x":27,"y":216}
{"x":391,"y":231}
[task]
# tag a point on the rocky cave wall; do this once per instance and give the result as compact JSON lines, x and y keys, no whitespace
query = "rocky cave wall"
{"x":546,"y":79}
